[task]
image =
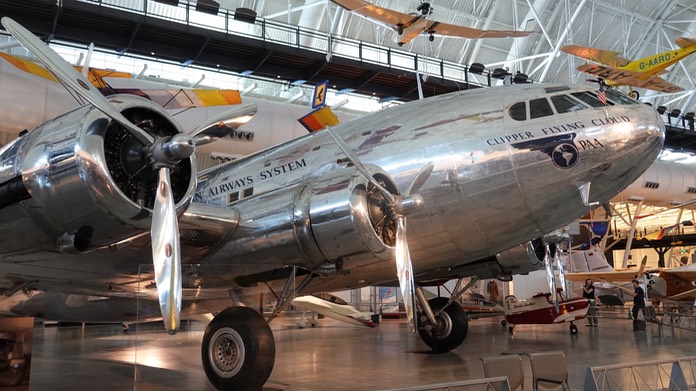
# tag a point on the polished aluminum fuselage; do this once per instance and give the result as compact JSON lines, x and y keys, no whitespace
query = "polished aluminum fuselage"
{"x":496,"y":183}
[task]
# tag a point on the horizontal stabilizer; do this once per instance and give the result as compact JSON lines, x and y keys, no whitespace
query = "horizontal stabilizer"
{"x":319,"y":119}
{"x":685,"y":42}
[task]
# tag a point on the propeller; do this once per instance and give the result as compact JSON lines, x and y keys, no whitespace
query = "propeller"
{"x":162,"y":153}
{"x":550,"y":277}
{"x":397,"y":206}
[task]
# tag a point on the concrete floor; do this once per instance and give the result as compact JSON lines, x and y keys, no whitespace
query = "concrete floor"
{"x":332,"y":356}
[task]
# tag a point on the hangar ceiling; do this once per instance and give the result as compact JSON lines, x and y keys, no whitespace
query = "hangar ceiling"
{"x":635,"y":28}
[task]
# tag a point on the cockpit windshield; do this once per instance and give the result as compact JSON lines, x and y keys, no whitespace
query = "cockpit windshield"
{"x":565,"y":103}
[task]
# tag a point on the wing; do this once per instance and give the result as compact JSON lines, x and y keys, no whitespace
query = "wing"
{"x":622,"y":276}
{"x":686,"y":272}
{"x":387,"y":17}
{"x":606,"y":57}
{"x":451,"y":30}
{"x":630,"y":78}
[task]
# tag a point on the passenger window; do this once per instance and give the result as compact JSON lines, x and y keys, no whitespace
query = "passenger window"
{"x":539,"y":108}
{"x":518,"y":111}
{"x":620,"y":98}
{"x":233,"y":197}
{"x":590,"y":98}
{"x":566,"y":104}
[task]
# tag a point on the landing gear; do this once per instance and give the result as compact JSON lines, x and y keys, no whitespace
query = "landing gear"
{"x":238,"y":350}
{"x":450,"y":329}
{"x":400,"y":28}
{"x":431,"y":38}
{"x":634,"y":94}
{"x":573,"y":328}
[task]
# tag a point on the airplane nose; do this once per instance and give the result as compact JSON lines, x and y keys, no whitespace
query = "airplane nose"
{"x":657,"y":288}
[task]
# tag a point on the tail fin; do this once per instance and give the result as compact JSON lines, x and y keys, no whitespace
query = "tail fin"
{"x":685,"y":42}
{"x":591,"y":260}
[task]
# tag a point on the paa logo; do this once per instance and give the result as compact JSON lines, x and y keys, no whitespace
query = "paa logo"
{"x":565,"y":155}
{"x":561,"y":149}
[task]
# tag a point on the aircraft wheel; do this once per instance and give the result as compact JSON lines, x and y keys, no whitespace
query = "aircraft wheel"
{"x":634,"y":94}
{"x":400,"y":29}
{"x":573,"y":329}
{"x":238,"y":350}
{"x":431,"y":38}
{"x":400,"y":44}
{"x":511,"y":328}
{"x":503,"y":322}
{"x":451,"y":328}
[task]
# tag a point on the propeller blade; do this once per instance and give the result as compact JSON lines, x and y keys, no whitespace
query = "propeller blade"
{"x":166,"y":253}
{"x":389,"y":197}
{"x":88,"y":59}
{"x":420,"y":178}
{"x":550,"y":278}
{"x":641,"y":270}
{"x":231,"y":119}
{"x":71,"y":78}
{"x":404,"y":269}
{"x":561,"y":270}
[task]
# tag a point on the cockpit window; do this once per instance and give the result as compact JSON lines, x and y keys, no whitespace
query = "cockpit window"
{"x":566,"y":104}
{"x":518,"y":111}
{"x":539,"y":108}
{"x":620,"y":98}
{"x":590,"y":98}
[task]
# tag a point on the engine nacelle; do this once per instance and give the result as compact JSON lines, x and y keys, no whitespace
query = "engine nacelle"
{"x":82,"y":168}
{"x":523,"y":258}
{"x":331,"y":224}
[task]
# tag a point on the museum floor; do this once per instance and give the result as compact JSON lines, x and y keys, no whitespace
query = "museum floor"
{"x":332,"y":356}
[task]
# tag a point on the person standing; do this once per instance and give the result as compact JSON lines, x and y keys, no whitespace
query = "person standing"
{"x":638,"y":299}
{"x":588,"y":292}
{"x":492,"y":289}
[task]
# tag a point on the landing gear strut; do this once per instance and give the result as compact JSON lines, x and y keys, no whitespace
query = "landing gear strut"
{"x":450,"y":328}
{"x":238,"y":350}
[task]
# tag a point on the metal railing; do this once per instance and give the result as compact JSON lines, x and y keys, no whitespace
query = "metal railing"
{"x":299,"y":37}
{"x":678,"y":320}
{"x":649,"y":375}
{"x":487,"y":384}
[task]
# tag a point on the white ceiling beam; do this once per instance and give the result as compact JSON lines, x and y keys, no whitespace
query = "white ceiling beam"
{"x":561,"y":40}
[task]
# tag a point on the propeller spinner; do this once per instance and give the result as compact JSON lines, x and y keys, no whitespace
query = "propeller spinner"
{"x":161,"y":153}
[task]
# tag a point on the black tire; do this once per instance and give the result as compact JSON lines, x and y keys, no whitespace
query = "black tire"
{"x":238,"y":350}
{"x":634,"y":94}
{"x":451,"y":329}
{"x":431,"y":38}
{"x":573,"y":329}
{"x":503,"y":322}
{"x":511,"y":329}
{"x":400,"y":29}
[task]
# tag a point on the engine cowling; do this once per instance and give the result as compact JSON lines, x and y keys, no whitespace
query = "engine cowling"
{"x":523,"y":258}
{"x":82,"y":168}
{"x":330,"y":224}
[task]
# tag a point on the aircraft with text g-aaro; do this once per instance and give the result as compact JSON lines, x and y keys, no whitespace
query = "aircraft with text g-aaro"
{"x":409,"y":26}
{"x":618,"y":71}
{"x":479,"y":185}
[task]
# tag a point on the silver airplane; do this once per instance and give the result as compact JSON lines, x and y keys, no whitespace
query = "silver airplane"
{"x":480,"y":176}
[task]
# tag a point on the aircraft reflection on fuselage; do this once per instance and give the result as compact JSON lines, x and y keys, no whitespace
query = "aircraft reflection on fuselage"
{"x":607,"y":146}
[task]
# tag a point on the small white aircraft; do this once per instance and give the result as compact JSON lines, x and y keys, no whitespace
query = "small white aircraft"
{"x":481,"y":175}
{"x":409,"y":26}
{"x":333,"y":307}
